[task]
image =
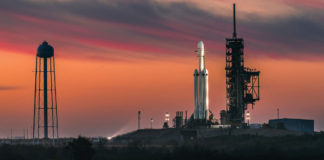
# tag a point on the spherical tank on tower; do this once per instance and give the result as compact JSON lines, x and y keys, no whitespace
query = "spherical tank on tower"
{"x":45,"y":50}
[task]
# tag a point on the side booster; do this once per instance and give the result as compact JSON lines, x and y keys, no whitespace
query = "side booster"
{"x":201,"y":110}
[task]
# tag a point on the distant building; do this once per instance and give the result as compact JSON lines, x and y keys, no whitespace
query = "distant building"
{"x":301,"y":125}
{"x":221,"y":126}
{"x":255,"y":125}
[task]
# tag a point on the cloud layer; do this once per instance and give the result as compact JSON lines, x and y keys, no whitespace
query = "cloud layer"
{"x":153,"y":29}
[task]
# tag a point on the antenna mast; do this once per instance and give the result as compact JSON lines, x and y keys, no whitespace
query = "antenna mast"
{"x":234,"y":21}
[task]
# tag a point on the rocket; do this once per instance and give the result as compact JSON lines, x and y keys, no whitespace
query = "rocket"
{"x":201,"y":110}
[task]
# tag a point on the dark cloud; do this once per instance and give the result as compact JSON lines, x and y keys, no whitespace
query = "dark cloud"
{"x":4,"y":88}
{"x":288,"y":37}
{"x":175,"y":27}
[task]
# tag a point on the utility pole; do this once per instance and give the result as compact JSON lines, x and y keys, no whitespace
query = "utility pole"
{"x":186,"y":119}
{"x":11,"y":135}
{"x":277,"y":113}
{"x":139,"y":120}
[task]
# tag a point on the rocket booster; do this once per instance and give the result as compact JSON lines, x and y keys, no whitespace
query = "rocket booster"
{"x":201,"y":110}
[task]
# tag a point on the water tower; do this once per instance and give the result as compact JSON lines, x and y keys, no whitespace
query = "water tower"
{"x":45,"y":102}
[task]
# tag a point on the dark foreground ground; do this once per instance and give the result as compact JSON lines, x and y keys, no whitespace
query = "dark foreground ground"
{"x":227,"y":147}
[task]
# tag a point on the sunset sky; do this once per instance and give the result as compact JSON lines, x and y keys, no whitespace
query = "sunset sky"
{"x":115,"y":57}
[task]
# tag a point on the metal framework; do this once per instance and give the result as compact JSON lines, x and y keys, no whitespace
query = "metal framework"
{"x":178,"y":120}
{"x":45,"y":100}
{"x":242,"y":83}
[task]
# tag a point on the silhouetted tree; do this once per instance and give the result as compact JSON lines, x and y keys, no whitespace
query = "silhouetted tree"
{"x":81,"y":149}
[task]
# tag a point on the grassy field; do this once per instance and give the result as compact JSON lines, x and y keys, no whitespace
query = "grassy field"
{"x":239,"y":147}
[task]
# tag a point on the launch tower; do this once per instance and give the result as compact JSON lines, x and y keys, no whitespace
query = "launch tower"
{"x":45,"y":103}
{"x":242,"y":83}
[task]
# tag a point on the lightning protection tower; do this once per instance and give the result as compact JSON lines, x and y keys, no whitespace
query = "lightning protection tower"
{"x":45,"y":102}
{"x":242,"y":83}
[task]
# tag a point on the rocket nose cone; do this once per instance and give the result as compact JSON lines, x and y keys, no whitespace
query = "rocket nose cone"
{"x":200,"y":44}
{"x":201,"y":48}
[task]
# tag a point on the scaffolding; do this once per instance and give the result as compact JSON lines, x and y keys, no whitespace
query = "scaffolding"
{"x":242,"y":83}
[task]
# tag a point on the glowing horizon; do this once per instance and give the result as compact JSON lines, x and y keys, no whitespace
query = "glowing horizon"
{"x":112,"y":63}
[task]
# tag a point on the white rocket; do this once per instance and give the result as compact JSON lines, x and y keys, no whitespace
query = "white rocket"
{"x":201,"y":86}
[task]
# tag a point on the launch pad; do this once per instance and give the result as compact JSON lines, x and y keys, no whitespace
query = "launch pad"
{"x":242,"y":83}
{"x":242,"y":87}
